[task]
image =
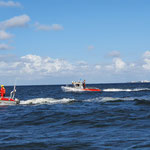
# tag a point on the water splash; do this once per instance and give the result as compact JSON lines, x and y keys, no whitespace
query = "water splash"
{"x":46,"y":101}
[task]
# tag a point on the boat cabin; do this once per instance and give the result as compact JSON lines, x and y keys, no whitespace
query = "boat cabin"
{"x":77,"y":84}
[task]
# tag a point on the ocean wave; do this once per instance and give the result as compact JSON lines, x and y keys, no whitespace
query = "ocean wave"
{"x":126,"y":90}
{"x":46,"y":101}
{"x":109,"y":99}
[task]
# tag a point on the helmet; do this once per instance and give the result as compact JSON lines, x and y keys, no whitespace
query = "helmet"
{"x":2,"y":85}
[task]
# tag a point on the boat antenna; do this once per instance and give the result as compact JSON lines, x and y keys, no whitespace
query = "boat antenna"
{"x":14,"y":90}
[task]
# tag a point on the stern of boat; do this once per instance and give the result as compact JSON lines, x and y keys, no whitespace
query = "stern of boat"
{"x":17,"y":101}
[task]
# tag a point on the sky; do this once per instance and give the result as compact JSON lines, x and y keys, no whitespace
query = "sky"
{"x":60,"y":41}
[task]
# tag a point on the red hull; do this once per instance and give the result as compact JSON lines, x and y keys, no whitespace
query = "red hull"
{"x":6,"y":99}
{"x":94,"y":90}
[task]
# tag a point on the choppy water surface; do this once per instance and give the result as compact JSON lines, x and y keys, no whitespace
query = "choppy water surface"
{"x":49,"y":118}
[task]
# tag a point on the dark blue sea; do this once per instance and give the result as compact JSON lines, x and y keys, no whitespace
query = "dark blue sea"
{"x":48,"y":118}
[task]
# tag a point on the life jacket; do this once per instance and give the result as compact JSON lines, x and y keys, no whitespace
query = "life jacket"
{"x":3,"y":91}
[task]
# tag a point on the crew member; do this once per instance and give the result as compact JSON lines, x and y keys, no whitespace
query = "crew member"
{"x":3,"y":91}
{"x":84,"y":84}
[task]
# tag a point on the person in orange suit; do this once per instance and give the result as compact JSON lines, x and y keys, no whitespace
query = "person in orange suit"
{"x":3,"y":91}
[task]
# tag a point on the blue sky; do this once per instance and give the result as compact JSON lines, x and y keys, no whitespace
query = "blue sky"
{"x":57,"y":41}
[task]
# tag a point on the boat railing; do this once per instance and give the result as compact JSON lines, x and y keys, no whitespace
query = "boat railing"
{"x":12,"y":94}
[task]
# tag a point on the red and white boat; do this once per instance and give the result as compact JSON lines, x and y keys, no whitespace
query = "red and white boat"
{"x":78,"y":87}
{"x":10,"y":100}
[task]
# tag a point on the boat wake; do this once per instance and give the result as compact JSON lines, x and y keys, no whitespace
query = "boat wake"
{"x":111,"y":99}
{"x":126,"y":90}
{"x":52,"y":101}
{"x":49,"y":101}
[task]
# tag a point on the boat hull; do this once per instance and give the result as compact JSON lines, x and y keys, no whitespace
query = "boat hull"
{"x":9,"y":101}
{"x":72,"y":89}
{"x":92,"y":90}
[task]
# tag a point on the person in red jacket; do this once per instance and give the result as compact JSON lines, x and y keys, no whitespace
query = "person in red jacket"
{"x":3,"y":91}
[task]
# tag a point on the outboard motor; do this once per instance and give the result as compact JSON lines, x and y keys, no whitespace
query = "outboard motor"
{"x":17,"y":100}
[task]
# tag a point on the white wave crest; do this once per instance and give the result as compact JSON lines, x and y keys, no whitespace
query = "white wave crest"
{"x":46,"y":101}
{"x":126,"y":90}
{"x":109,"y":99}
{"x":103,"y":99}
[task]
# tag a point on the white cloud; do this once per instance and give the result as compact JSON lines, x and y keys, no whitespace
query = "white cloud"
{"x":17,"y":21}
{"x":34,"y":63}
{"x":82,"y":65}
{"x":8,"y":66}
{"x":5,"y":47}
{"x":81,"y":62}
{"x":119,"y":64}
{"x":55,"y":27}
{"x":109,"y":67}
{"x":147,"y":65}
{"x":10,"y":4}
{"x":3,"y":65}
{"x":4,"y":35}
{"x":114,"y":54}
{"x":116,"y":66}
{"x":146,"y":54}
{"x":97,"y":67}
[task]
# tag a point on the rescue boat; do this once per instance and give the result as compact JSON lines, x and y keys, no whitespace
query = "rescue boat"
{"x":78,"y":87}
{"x":10,"y":100}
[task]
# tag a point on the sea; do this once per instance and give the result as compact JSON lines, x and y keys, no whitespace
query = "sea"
{"x":48,"y":118}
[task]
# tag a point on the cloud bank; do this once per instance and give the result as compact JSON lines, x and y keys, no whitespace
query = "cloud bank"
{"x":34,"y":67}
{"x":32,"y":64}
